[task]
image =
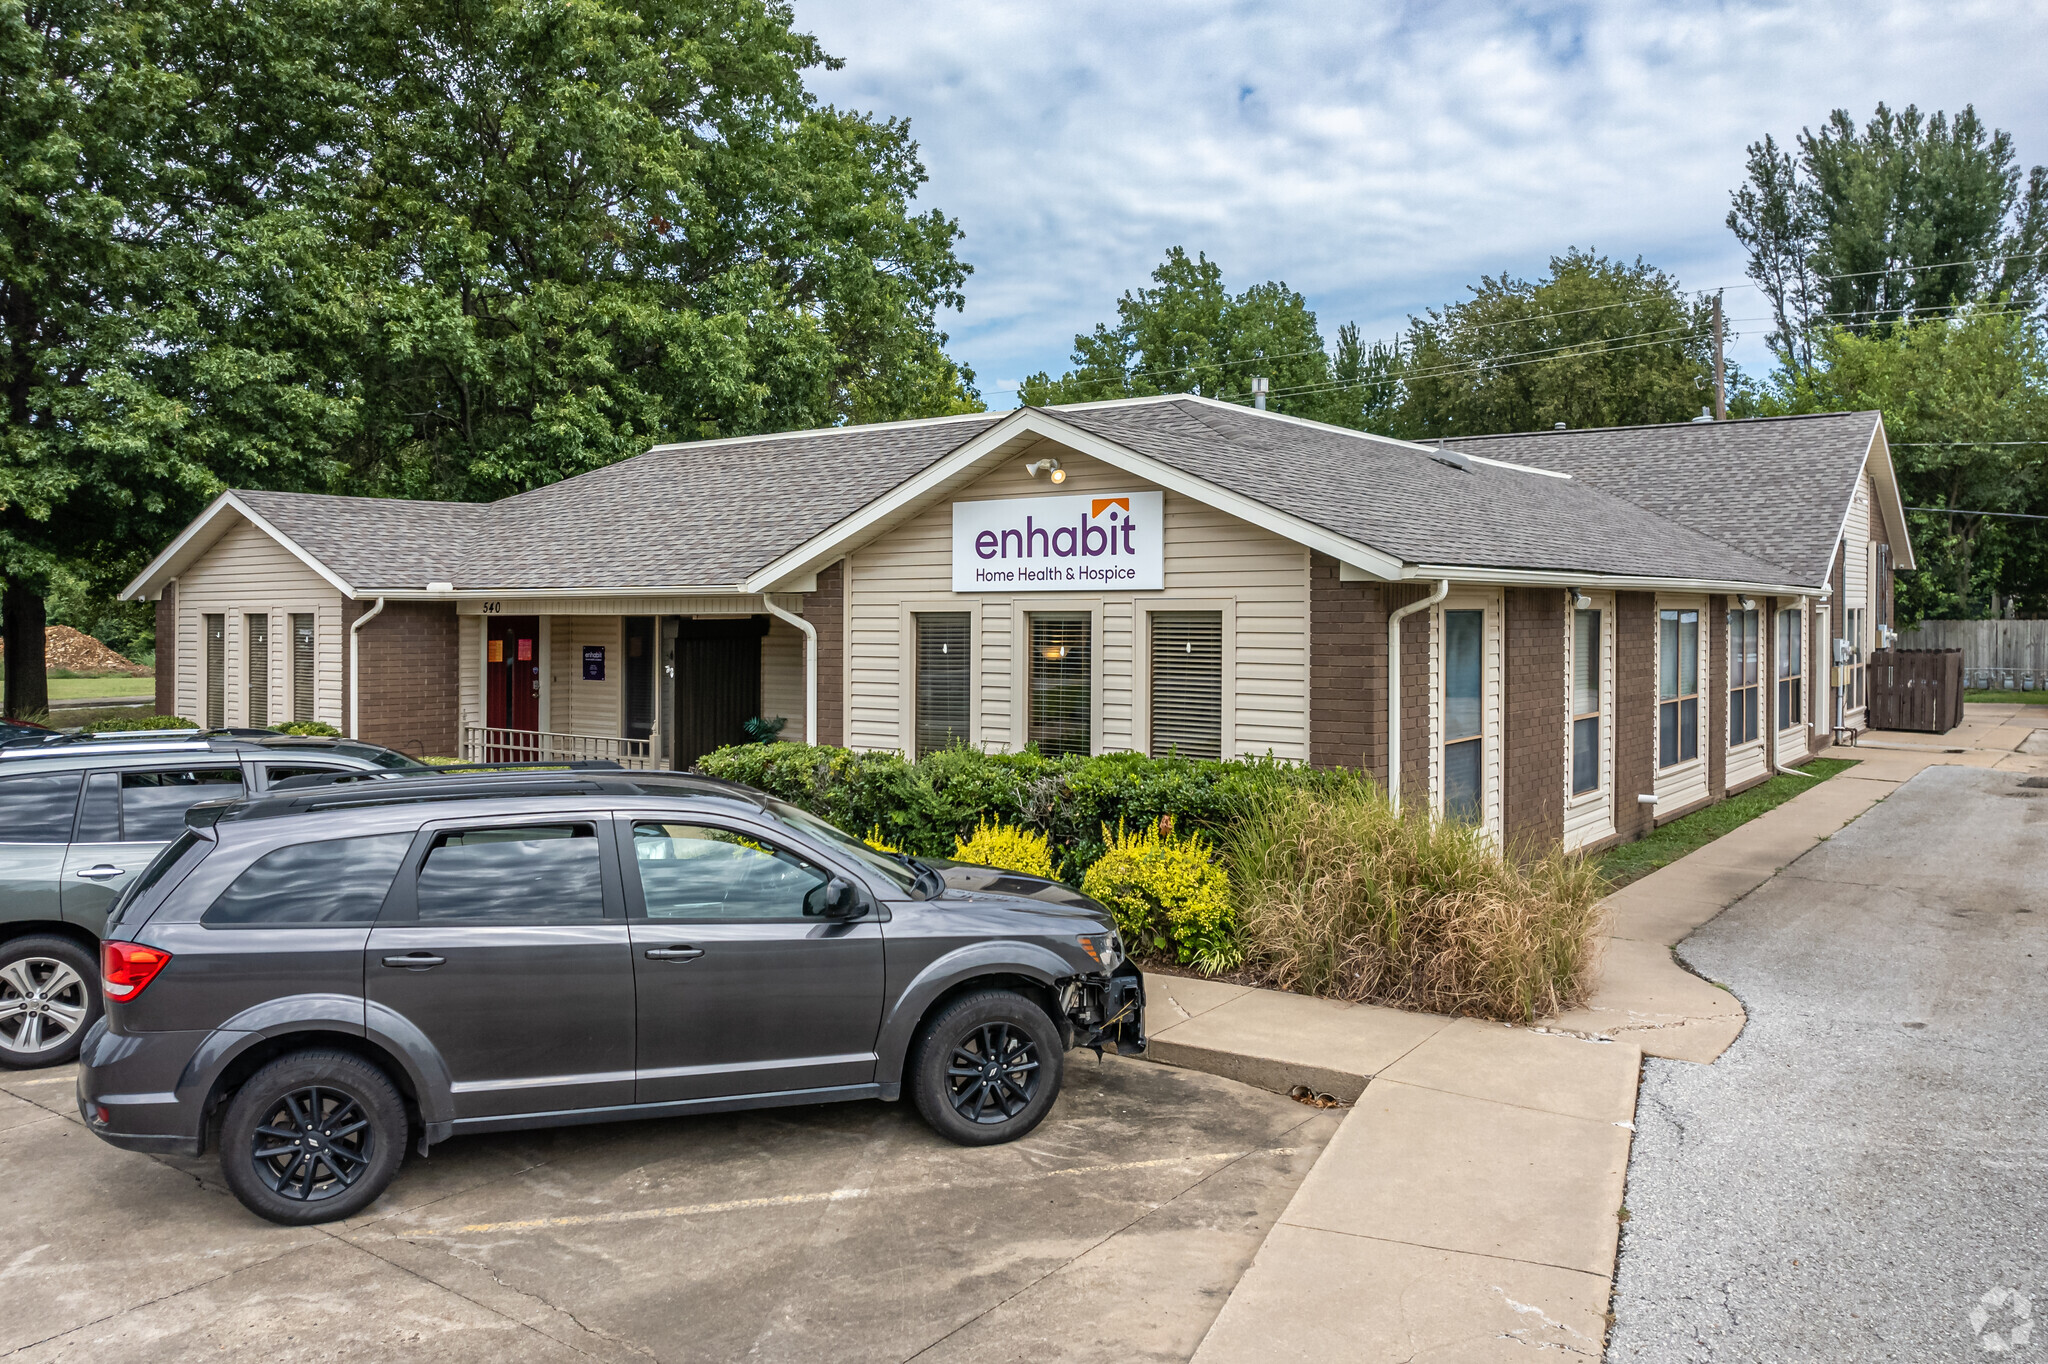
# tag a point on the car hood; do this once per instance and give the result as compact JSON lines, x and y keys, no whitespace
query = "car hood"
{"x":1042,"y":892}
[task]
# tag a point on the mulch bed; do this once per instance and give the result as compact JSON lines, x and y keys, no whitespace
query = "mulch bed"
{"x":75,"y":651}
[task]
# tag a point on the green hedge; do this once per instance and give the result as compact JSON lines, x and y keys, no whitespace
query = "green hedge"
{"x":922,"y":807}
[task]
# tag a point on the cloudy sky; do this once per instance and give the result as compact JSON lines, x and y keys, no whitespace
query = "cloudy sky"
{"x":1378,"y":157}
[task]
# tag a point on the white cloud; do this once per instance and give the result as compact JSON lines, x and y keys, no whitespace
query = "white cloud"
{"x":1378,"y":158}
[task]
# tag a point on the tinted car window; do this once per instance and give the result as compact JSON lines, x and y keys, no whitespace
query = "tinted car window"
{"x":273,"y":773}
{"x":331,"y":884}
{"x":99,"y":817}
{"x":38,"y":807}
{"x":524,"y":874}
{"x":153,"y":804}
{"x":697,"y":871}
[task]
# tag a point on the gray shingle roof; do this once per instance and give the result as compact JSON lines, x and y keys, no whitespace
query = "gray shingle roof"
{"x":1777,"y":487}
{"x":1401,"y":499}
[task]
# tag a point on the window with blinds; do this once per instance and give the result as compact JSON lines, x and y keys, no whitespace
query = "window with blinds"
{"x":1745,"y":719}
{"x":944,"y":651}
{"x":1187,"y":683}
{"x":302,"y":666}
{"x":1062,"y":703}
{"x":1464,"y":719}
{"x":216,"y":664}
{"x":1585,"y":702}
{"x":257,"y":651}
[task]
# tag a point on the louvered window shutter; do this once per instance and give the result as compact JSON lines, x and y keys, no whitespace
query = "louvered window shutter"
{"x":216,"y":663}
{"x":302,"y":666}
{"x":1187,"y":683}
{"x":257,"y":647}
{"x":944,"y":644}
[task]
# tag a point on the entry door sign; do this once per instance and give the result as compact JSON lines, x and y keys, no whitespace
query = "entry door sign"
{"x":1086,"y":542}
{"x":593,"y":663}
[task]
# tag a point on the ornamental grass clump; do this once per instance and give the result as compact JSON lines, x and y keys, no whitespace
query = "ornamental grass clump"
{"x":1010,"y":847}
{"x":1340,"y":895}
{"x":1168,"y":895}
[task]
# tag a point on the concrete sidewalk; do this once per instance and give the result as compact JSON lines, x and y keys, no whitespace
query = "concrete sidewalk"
{"x":1468,"y":1207}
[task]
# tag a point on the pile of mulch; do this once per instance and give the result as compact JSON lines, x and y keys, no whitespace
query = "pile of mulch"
{"x":64,"y":647}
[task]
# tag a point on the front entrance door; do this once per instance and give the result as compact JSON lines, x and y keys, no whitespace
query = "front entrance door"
{"x":718,"y":684}
{"x":513,"y":685}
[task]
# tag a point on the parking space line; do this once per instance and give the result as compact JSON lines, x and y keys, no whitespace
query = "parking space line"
{"x":826,"y":1196}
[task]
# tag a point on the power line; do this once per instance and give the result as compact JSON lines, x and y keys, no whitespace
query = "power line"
{"x":1959,"y":511}
{"x":1899,"y":443}
{"x":1566,"y":353}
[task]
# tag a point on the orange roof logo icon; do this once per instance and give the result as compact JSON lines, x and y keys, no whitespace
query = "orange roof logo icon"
{"x":1095,"y":508}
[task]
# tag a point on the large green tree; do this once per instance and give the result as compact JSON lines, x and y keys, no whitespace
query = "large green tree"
{"x":1965,"y":403}
{"x":1904,"y":217}
{"x":1596,"y":342}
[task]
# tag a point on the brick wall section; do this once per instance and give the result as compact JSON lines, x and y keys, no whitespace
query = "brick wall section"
{"x":410,"y":675}
{"x":1415,"y":696}
{"x":1347,"y":671}
{"x":167,"y":650}
{"x":1534,"y":719}
{"x":825,"y":609}
{"x":1714,"y":680}
{"x":1635,"y":712}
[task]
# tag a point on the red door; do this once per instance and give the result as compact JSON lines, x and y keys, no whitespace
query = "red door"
{"x":514,"y":684}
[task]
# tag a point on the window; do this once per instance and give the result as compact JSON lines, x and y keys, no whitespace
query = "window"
{"x":697,"y":871}
{"x":258,"y":638}
{"x":943,"y":678}
{"x":1062,"y":703}
{"x":99,"y":814}
{"x":334,"y":884}
{"x":153,"y":804}
{"x":640,"y":637}
{"x":302,"y":666}
{"x":1678,"y":687}
{"x":1187,"y":683}
{"x":216,"y":663}
{"x":1790,"y":701}
{"x":38,"y":808}
{"x":1744,"y":722}
{"x":1585,"y":701}
{"x":525,"y":874}
{"x":273,"y":773}
{"x":1464,"y":648}
{"x":1852,"y":683}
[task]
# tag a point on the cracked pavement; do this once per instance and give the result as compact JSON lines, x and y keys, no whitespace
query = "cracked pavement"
{"x":850,"y":1232}
{"x":1862,"y":1175}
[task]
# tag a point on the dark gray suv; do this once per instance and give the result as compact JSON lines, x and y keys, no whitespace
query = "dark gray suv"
{"x":80,"y":817}
{"x":315,"y":979}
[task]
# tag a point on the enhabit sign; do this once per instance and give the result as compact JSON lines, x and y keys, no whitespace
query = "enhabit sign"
{"x":1083,"y":543}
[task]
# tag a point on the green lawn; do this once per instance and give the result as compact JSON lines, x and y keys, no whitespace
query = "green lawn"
{"x":74,"y":688}
{"x":2025,"y":698}
{"x":1631,"y":860}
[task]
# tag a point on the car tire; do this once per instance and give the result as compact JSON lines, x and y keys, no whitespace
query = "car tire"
{"x":987,"y":1068}
{"x":46,"y":983}
{"x":314,"y":1136}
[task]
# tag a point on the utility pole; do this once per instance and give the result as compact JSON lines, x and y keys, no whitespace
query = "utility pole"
{"x":1720,"y":371}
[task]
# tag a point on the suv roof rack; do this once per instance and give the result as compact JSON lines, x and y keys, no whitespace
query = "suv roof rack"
{"x":446,"y":770}
{"x":356,"y":790}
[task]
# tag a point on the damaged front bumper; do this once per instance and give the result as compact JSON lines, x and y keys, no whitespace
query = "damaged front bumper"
{"x":1101,"y":1011}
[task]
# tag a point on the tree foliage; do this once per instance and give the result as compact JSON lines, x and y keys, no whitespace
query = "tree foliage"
{"x":1905,"y":217}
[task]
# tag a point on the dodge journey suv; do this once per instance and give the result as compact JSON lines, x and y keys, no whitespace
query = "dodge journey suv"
{"x":314,"y":979}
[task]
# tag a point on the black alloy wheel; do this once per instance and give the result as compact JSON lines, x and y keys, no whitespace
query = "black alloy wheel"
{"x":313,"y":1137}
{"x":987,"y":1068}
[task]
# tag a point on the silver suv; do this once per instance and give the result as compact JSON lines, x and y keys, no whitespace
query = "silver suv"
{"x":80,"y":815}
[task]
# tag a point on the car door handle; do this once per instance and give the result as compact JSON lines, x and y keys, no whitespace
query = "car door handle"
{"x":103,"y":872}
{"x":674,"y":953}
{"x":415,"y":961}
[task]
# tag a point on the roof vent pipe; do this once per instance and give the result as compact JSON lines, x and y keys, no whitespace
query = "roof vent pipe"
{"x":1394,"y":619}
{"x":1706,"y":415}
{"x":1557,"y":426}
{"x":1259,"y":394}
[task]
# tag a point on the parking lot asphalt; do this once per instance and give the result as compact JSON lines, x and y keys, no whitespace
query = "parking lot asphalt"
{"x":1115,"y":1231}
{"x":1862,"y":1175}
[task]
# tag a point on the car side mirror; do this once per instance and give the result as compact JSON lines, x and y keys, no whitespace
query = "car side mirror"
{"x":842,"y":901}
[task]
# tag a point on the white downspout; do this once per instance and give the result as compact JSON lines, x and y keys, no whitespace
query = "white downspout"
{"x":810,"y":665}
{"x":355,"y":695}
{"x":1394,"y":619}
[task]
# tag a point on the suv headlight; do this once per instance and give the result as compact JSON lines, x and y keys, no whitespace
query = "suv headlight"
{"x":1105,"y":948}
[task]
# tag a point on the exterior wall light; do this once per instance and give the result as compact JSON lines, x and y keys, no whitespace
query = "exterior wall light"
{"x":1036,"y":466}
{"x":1749,"y":603}
{"x":1582,"y":602}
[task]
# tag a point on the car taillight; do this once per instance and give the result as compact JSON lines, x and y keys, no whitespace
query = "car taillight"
{"x":126,"y":967}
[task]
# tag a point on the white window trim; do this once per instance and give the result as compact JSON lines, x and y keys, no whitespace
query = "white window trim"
{"x":1491,"y":703}
{"x":1601,"y":794}
{"x":1765,"y":620}
{"x":1046,"y":604}
{"x":1141,"y":666}
{"x":906,"y":637}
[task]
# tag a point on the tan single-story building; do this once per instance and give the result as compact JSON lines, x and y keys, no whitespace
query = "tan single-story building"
{"x":1591,"y":631}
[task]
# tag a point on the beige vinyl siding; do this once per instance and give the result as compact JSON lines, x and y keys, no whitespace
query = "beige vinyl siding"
{"x":1490,"y":724}
{"x":1856,"y":574}
{"x":577,"y":706}
{"x":470,"y":669}
{"x":1589,"y":816}
{"x":782,"y":678}
{"x":1686,"y":783}
{"x":1209,"y":557}
{"x":247,"y":572}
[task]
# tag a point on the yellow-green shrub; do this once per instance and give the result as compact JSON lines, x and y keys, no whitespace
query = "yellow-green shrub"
{"x":1008,"y":846}
{"x":1167,"y":893}
{"x":875,"y":840}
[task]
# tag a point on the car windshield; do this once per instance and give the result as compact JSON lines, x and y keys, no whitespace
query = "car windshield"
{"x":797,"y":818}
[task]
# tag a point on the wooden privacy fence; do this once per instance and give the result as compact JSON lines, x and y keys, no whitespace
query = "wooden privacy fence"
{"x":1998,"y":655}
{"x":1916,"y":689}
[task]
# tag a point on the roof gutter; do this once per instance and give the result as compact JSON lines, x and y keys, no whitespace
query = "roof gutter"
{"x":1394,"y":619}
{"x":810,"y":665}
{"x":355,"y":649}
